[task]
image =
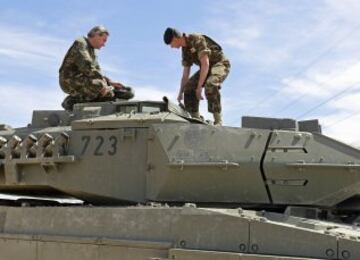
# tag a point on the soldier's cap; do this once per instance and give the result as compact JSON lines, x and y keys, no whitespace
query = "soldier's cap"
{"x":169,"y":34}
{"x":98,"y":30}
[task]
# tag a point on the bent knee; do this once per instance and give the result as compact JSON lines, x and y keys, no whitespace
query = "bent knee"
{"x":211,"y":90}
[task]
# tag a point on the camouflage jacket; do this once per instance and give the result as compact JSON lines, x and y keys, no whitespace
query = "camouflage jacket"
{"x":198,"y":45}
{"x":80,"y":60}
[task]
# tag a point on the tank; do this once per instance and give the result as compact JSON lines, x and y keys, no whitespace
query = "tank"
{"x":143,"y":180}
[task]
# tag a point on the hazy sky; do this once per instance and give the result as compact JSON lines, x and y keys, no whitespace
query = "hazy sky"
{"x":290,"y":59}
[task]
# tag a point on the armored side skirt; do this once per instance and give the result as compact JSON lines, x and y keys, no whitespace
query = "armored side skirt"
{"x":168,"y":233}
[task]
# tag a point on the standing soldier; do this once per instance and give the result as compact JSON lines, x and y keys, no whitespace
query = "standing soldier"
{"x":80,"y":74}
{"x":214,"y":67}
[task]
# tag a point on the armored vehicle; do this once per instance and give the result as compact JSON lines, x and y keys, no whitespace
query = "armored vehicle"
{"x":143,"y":180}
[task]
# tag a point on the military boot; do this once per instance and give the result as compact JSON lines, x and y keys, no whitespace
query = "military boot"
{"x":124,"y":93}
{"x":69,"y":102}
{"x":195,"y":115}
{"x":217,"y":119}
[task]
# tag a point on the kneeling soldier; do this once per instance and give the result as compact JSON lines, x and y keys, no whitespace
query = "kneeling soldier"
{"x":80,"y":74}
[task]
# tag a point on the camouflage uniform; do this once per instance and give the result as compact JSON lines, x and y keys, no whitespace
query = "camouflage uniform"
{"x":196,"y":47}
{"x":80,"y":76}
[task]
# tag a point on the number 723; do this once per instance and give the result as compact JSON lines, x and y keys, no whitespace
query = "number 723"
{"x":103,"y":145}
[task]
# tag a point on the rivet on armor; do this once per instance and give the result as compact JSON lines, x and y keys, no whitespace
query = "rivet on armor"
{"x":254,"y":248}
{"x":345,"y":254}
{"x":182,"y":243}
{"x":242,"y":247}
{"x":330,"y":253}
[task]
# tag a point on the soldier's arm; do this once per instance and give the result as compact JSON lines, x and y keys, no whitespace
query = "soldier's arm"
{"x":184,"y":79}
{"x":85,"y":63}
{"x":203,"y":53}
{"x":204,"y":70}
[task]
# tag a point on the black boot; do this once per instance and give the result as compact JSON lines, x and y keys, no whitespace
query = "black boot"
{"x":69,"y":102}
{"x":124,"y":93}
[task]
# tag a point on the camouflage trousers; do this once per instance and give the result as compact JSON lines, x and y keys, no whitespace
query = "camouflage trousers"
{"x":70,"y":101}
{"x":216,"y":76}
{"x":84,"y":89}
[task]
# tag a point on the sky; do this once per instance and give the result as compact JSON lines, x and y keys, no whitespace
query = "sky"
{"x":295,"y":59}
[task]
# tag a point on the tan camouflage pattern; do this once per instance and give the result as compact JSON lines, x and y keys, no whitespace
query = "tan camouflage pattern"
{"x":80,"y":74}
{"x":217,"y":74}
{"x":123,"y":94}
{"x":196,"y":46}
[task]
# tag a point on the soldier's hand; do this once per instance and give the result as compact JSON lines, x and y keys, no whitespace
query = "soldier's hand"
{"x":199,"y":93}
{"x":117,"y":85}
{"x":107,"y":91}
{"x":180,"y":97}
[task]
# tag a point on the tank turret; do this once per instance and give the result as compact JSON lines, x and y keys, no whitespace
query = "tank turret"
{"x":145,"y":151}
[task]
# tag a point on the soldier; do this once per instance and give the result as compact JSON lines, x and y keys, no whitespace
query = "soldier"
{"x":80,"y":75}
{"x":214,"y":67}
